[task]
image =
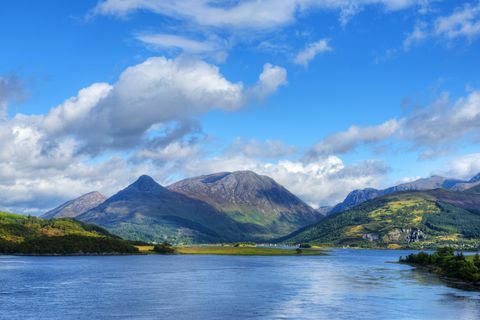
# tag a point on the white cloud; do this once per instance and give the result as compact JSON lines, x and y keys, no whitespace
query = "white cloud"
{"x":250,"y":14}
{"x":434,"y":128}
{"x":311,"y":51}
{"x":210,"y":48}
{"x":463,"y":22}
{"x":418,"y":35}
{"x":346,"y":141}
{"x":464,"y":167}
{"x":76,"y":110}
{"x":157,"y":91}
{"x":271,"y":78}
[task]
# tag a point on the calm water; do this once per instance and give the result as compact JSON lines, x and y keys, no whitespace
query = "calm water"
{"x":348,"y":284}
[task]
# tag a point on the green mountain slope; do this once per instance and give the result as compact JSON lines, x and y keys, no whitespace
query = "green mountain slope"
{"x":411,"y":219}
{"x":22,"y":234}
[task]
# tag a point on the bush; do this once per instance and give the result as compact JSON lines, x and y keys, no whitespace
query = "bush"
{"x":447,"y":263}
{"x":164,"y":248}
{"x":305,"y":245}
{"x":476,"y":261}
{"x":244,"y":244}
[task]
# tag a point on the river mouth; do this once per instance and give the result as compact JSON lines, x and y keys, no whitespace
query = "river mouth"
{"x":345,"y":284}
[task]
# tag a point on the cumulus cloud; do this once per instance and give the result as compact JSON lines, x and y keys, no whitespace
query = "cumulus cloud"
{"x":271,"y":78}
{"x":464,"y":167}
{"x":157,"y":91}
{"x":311,"y":51}
{"x":346,"y":141}
{"x":463,"y":22}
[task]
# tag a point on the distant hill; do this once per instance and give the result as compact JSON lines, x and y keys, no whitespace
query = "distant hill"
{"x":248,"y":197}
{"x":77,"y":206}
{"x":434,"y":182}
{"x":32,"y":235}
{"x":412,"y":218}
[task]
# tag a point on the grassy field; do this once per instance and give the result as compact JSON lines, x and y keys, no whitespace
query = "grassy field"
{"x":145,"y":249}
{"x":247,"y":251}
{"x":236,"y":251}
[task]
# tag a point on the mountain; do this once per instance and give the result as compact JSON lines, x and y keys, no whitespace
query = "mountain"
{"x":32,"y":235}
{"x":324,"y":210}
{"x":147,"y":211}
{"x":77,"y":206}
{"x":472,"y":183}
{"x":356,"y":197}
{"x":434,"y":182}
{"x":412,"y":218}
{"x":475,"y":189}
{"x":247,"y":197}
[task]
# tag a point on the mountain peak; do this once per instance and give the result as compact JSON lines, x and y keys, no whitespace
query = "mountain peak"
{"x":145,"y":183}
{"x":245,"y":192}
{"x":92,"y":194}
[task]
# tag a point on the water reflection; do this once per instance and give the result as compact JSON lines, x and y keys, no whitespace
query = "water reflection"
{"x":348,"y":284}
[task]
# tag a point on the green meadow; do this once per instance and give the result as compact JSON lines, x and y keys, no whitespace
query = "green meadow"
{"x":237,"y":251}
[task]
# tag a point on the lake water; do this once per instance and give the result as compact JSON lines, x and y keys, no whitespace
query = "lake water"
{"x":347,"y":284}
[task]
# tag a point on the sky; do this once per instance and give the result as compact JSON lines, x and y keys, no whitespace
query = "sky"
{"x":324,"y":96}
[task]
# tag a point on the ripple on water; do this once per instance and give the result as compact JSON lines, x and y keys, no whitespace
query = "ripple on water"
{"x":347,"y":284}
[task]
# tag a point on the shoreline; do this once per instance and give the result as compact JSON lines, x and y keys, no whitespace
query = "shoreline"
{"x":192,"y":250}
{"x":454,"y":282}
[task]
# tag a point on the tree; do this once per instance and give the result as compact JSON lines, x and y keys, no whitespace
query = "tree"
{"x":164,"y":248}
{"x":476,"y":260}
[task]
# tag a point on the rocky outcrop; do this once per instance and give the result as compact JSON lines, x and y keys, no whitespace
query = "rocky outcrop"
{"x":372,"y":237}
{"x":404,"y":235}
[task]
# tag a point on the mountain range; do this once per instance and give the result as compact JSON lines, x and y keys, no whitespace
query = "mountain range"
{"x":245,"y":206}
{"x":357,"y":197}
{"x":222,"y":207}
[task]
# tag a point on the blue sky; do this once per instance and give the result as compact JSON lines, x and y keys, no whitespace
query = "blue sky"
{"x":324,"y":96}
